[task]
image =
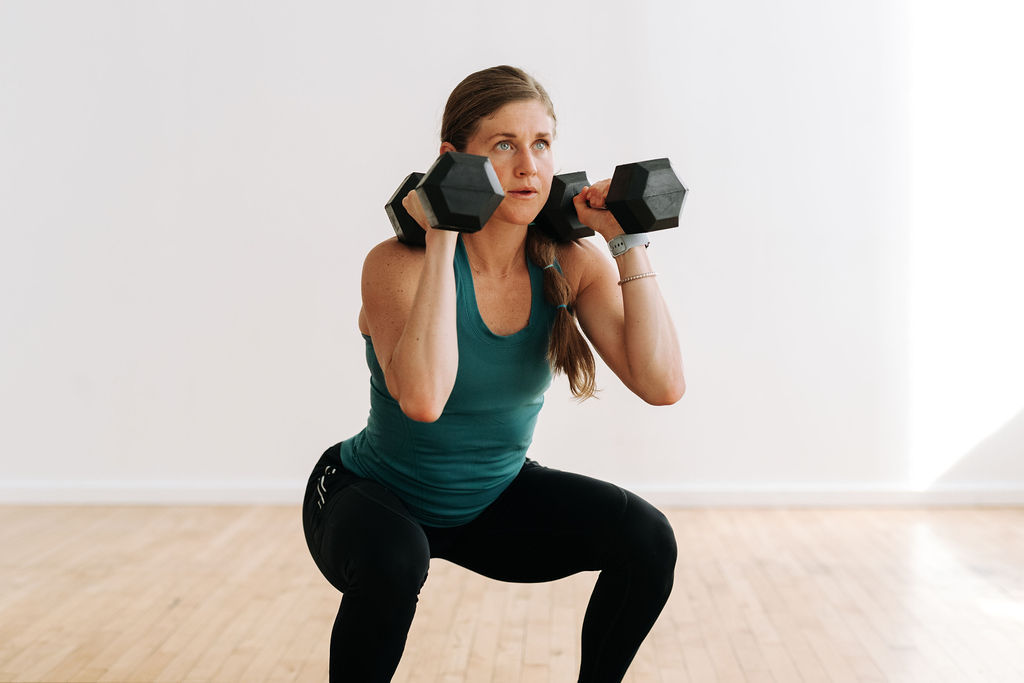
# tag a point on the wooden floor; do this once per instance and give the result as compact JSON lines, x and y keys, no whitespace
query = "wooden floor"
{"x":230,"y":594}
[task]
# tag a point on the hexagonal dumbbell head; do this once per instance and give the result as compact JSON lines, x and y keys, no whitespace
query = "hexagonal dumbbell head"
{"x":460,"y":192}
{"x":406,"y":227}
{"x":646,"y":196}
{"x":558,"y":218}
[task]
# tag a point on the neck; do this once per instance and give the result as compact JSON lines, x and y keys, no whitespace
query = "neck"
{"x":497,"y":250}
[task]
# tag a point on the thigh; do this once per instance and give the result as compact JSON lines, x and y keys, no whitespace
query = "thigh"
{"x":547,"y":525}
{"x":358,"y":532}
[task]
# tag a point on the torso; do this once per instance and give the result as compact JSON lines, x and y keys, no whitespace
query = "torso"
{"x":448,"y":470}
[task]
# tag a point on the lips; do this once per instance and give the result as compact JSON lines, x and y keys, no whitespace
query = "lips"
{"x":522,"y":193}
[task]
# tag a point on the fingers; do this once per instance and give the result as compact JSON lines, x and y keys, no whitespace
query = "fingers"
{"x":597,"y":193}
{"x":594,"y":196}
{"x":592,"y":211}
{"x":588,"y":201}
{"x":412,"y":204}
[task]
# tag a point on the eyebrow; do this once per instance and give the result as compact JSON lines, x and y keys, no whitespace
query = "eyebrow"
{"x":513,"y":135}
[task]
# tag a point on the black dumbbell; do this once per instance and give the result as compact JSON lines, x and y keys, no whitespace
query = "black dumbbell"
{"x":459,"y":192}
{"x":644,"y":196}
{"x":558,"y":217}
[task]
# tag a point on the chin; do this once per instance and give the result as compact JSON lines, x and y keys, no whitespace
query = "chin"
{"x":519,"y":217}
{"x":528,"y":214}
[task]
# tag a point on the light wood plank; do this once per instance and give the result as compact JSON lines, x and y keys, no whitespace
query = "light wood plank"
{"x":129,"y":593}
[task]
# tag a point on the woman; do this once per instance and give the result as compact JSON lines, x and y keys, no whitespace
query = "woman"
{"x":461,"y":340}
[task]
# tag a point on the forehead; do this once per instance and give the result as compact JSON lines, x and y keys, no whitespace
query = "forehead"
{"x":525,"y":118}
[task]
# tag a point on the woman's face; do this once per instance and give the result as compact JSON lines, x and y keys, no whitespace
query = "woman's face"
{"x":517,"y":139}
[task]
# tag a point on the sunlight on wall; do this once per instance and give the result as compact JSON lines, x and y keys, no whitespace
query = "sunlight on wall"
{"x":967,"y":232}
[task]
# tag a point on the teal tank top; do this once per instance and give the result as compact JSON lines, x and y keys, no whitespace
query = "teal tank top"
{"x":446,"y":472}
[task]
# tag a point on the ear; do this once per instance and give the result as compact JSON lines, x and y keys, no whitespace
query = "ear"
{"x":447,"y":147}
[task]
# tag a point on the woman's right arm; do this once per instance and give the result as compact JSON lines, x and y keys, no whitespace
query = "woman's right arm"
{"x":409,"y":310}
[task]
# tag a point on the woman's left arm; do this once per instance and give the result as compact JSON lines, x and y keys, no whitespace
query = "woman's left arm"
{"x":629,"y":323}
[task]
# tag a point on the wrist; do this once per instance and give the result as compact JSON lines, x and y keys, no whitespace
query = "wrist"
{"x":441,"y":238}
{"x":620,"y":244}
{"x":609,"y":235}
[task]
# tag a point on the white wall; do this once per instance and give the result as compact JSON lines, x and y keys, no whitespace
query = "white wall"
{"x":187,"y":191}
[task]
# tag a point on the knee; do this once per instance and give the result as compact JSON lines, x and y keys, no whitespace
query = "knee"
{"x":651,"y":541}
{"x":390,"y":563}
{"x":395,"y":572}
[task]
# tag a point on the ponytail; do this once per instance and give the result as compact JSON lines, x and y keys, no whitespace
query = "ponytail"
{"x":568,"y":351}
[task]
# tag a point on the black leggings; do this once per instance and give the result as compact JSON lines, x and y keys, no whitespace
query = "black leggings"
{"x":546,"y":525}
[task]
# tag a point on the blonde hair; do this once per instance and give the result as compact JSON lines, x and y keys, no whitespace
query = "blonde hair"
{"x":479,"y":95}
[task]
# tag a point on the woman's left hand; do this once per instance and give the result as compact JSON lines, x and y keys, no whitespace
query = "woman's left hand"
{"x":590,"y":207}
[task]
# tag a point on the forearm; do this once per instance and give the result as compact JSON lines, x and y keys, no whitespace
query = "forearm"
{"x":651,"y":344}
{"x":425,"y":360}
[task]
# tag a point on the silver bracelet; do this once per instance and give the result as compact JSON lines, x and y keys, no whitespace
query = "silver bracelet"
{"x":637,"y":277}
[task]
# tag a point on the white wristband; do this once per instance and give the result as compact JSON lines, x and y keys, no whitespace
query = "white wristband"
{"x":623,"y":243}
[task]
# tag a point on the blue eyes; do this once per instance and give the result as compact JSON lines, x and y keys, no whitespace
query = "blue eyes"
{"x":506,"y":146}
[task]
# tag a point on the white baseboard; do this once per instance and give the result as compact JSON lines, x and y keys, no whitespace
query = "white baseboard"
{"x":161,"y":492}
{"x":283,"y":492}
{"x":831,"y":495}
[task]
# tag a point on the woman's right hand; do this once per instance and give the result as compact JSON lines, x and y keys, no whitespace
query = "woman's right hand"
{"x":414,"y":206}
{"x":411,"y":203}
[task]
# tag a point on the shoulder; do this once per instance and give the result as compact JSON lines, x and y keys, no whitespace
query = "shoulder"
{"x":582,"y":261}
{"x":580,"y":252}
{"x":390,"y":272}
{"x":391,"y":252}
{"x":392,"y":260}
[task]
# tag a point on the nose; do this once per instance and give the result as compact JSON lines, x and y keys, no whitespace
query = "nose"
{"x":526,"y":166}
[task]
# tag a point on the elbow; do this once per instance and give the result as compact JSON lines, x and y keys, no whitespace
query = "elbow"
{"x":665,"y":399}
{"x":421,"y":401}
{"x":421,"y":413}
{"x":668,"y":394}
{"x":422,"y":408}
